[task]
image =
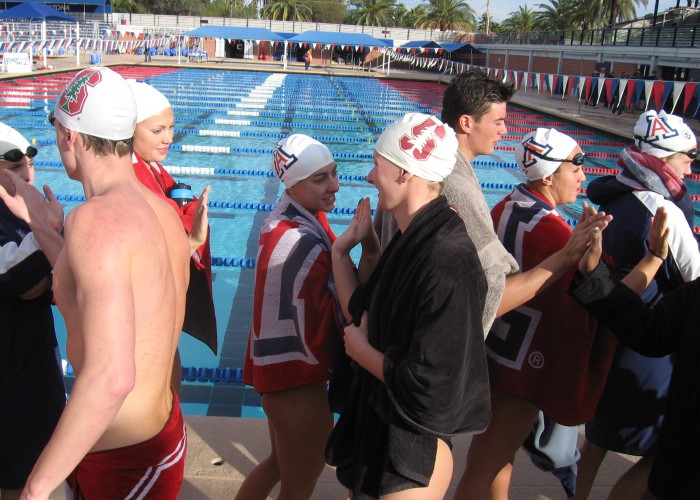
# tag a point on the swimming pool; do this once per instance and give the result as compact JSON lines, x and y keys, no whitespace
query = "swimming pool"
{"x":227,"y":126}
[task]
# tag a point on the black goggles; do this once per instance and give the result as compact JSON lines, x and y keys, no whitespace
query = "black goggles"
{"x":692,"y":153}
{"x":52,"y":118}
{"x":15,"y":155}
{"x":577,"y":160}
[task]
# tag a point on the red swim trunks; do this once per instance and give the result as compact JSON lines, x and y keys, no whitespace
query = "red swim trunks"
{"x":151,"y":469}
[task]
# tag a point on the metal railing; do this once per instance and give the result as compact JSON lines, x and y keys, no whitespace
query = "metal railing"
{"x":669,"y":36}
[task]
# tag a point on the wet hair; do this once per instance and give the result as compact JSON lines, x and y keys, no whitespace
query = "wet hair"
{"x":472,"y":93}
{"x":107,"y":147}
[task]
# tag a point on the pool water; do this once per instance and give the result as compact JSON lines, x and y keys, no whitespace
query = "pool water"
{"x":227,"y":124}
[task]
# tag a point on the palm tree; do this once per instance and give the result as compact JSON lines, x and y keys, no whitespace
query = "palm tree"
{"x":287,"y":10}
{"x":625,"y":10}
{"x":371,"y":12}
{"x":558,"y":15}
{"x":449,"y":14}
{"x":494,"y":26}
{"x":401,"y":16}
{"x":520,"y":21}
{"x":417,"y":15}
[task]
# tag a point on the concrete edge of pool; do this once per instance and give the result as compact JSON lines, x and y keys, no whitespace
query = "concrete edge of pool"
{"x":242,"y":442}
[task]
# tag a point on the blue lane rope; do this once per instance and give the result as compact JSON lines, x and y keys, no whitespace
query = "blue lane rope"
{"x":236,"y":205}
{"x":257,"y":123}
{"x":194,"y":374}
{"x":228,"y":375}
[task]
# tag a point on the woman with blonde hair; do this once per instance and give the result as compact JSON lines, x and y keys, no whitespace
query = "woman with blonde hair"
{"x":417,"y":336}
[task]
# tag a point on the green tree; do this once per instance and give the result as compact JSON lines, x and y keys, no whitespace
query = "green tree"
{"x":231,"y":8}
{"x":173,"y":7}
{"x":521,"y":21}
{"x":371,"y":12}
{"x":328,"y":11}
{"x":128,"y":6}
{"x":400,"y":16}
{"x":416,"y":16}
{"x":287,"y":10}
{"x":558,"y":15}
{"x":449,"y":14}
{"x":588,"y":14}
{"x":625,"y":10}
{"x":494,"y":26}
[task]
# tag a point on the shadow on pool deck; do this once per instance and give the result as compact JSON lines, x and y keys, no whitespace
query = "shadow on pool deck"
{"x":243,"y":442}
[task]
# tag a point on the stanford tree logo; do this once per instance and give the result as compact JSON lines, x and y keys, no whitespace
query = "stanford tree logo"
{"x":423,"y":139}
{"x":74,"y":97}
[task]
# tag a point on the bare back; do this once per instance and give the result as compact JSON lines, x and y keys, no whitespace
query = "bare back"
{"x":120,"y":284}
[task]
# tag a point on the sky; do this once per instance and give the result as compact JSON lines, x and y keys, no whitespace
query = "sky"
{"x":500,"y":9}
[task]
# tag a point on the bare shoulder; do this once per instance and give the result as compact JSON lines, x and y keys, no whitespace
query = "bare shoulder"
{"x":104,"y":228}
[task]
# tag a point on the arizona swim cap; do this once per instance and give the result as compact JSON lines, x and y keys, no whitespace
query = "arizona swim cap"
{"x":420,"y":144}
{"x":299,"y":156}
{"x":98,"y":102}
{"x":149,"y":100}
{"x":661,"y":135}
{"x":540,"y":153}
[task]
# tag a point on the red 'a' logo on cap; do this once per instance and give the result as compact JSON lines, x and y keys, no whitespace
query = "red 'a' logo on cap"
{"x":423,"y":139}
{"x":532,"y":151}
{"x":658,"y":129}
{"x":74,"y":96}
{"x":282,"y":161}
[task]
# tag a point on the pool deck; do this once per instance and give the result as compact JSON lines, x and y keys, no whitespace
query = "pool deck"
{"x":240,"y":443}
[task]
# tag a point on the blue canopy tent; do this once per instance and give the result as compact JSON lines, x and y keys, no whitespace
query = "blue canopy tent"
{"x":342,"y":39}
{"x":71,"y":7}
{"x":461,"y":48}
{"x":37,"y":12}
{"x":418,"y":44}
{"x":235,"y":33}
{"x":334,"y":38}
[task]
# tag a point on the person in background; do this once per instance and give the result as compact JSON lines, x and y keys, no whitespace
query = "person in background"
{"x":416,"y":337}
{"x":475,"y":107}
{"x":546,"y":355}
{"x":296,"y":333}
{"x":120,"y":281}
{"x":307,"y":59}
{"x":632,"y":408}
{"x":152,"y":139}
{"x":31,"y":379}
{"x":669,"y":326}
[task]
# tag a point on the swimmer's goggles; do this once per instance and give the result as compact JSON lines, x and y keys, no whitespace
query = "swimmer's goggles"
{"x":577,"y":160}
{"x":15,"y":155}
{"x":692,"y":154}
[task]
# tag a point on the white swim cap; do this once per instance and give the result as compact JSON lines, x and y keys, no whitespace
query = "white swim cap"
{"x":420,"y":144}
{"x":149,"y":100}
{"x":662,"y":135}
{"x":540,"y":153}
{"x":98,"y":102}
{"x":11,"y":139}
{"x":298,"y":157}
